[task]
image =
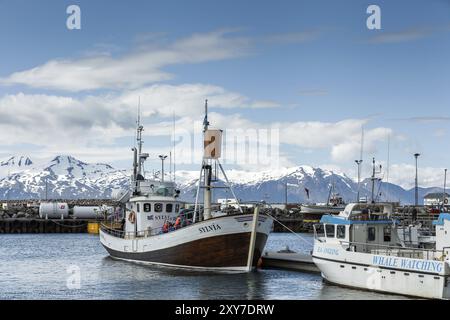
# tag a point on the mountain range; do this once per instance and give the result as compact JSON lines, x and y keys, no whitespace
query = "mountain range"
{"x":65,"y":177}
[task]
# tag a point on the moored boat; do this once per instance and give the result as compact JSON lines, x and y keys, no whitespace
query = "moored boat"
{"x":157,"y":230}
{"x":360,"y":248}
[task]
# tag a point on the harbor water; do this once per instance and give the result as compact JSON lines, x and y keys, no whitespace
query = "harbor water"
{"x":75,"y":266}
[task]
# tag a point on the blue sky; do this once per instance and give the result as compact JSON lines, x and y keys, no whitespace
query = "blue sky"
{"x":312,"y":69}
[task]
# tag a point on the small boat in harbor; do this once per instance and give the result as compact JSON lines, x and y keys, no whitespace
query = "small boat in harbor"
{"x":158,"y":230}
{"x":334,"y":205}
{"x":360,"y":248}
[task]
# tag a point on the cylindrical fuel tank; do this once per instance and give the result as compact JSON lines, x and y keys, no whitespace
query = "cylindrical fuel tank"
{"x":84,"y":212}
{"x":53,"y":210}
{"x":121,"y":195}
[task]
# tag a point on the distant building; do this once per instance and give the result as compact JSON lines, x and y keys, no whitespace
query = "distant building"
{"x":435,"y":199}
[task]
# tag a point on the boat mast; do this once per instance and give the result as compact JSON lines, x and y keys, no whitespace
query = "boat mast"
{"x":206,"y":170}
{"x":359,"y":162}
{"x":139,"y":129}
{"x":374,"y":178}
{"x":139,"y":157}
{"x":206,"y":166}
{"x":331,"y":192}
{"x":174,"y":161}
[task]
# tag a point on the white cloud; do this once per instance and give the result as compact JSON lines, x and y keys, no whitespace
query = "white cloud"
{"x":93,"y":123}
{"x":59,"y":122}
{"x":342,"y":137}
{"x":132,"y":70}
{"x":400,"y":36}
{"x":186,"y":99}
{"x":292,"y":37}
{"x":404,"y":175}
{"x":100,"y":69}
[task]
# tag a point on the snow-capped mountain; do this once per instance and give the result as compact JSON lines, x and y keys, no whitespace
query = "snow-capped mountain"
{"x":65,"y":177}
{"x":14,"y":164}
{"x":62,"y":177}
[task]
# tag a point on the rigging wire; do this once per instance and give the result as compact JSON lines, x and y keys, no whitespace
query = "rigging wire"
{"x":290,"y":230}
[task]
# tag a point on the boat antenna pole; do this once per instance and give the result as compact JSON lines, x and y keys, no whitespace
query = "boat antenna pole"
{"x":208,"y":171}
{"x":359,"y":162}
{"x":388,"y":165}
{"x":174,"y":168}
{"x":203,"y":170}
{"x":373,"y":178}
{"x":140,"y":128}
{"x":135,"y":151}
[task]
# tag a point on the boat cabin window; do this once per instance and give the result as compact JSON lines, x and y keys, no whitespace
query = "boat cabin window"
{"x":329,"y":229}
{"x":138,"y":209}
{"x":169,"y":207}
{"x":340,"y":232}
{"x":177,"y":207}
{"x":319,"y":230}
{"x":147,"y":207}
{"x":371,"y":234}
{"x":162,"y":191}
{"x":387,"y":234}
{"x":158,"y":207}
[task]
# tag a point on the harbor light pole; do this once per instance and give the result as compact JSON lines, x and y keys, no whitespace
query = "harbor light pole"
{"x":162,"y":157}
{"x":444,"y":195}
{"x":416,"y":202}
{"x":286,"y":195}
{"x":358,"y":162}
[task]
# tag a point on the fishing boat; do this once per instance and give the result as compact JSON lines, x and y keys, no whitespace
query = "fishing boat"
{"x":158,"y":230}
{"x":335,"y":204}
{"x":360,"y":248}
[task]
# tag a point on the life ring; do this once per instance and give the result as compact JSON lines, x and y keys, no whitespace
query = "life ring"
{"x":132,"y":217}
{"x":446,"y":201}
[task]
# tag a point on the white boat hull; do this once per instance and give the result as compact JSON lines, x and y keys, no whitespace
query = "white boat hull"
{"x":320,"y":209}
{"x":382,"y":273}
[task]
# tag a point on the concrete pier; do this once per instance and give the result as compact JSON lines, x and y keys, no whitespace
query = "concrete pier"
{"x":43,"y":226}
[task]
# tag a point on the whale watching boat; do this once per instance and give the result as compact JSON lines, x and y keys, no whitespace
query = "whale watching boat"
{"x":158,"y":230}
{"x":360,"y":248}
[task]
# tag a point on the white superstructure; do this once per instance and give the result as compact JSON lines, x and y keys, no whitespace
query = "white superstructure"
{"x":360,"y":248}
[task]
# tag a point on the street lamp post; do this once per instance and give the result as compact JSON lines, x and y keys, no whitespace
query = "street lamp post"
{"x":358,"y":162}
{"x":286,"y":195}
{"x":416,"y":202}
{"x":444,"y":196}
{"x":162,"y":157}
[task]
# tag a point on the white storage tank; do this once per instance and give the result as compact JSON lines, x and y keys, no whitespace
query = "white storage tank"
{"x":85,"y":212}
{"x":53,"y":210}
{"x":121,"y":195}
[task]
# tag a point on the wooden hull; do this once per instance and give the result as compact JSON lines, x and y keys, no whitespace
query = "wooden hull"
{"x":219,"y":244}
{"x":228,"y":252}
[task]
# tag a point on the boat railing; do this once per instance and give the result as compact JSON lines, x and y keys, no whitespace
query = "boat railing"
{"x":398,"y":251}
{"x":137,"y":234}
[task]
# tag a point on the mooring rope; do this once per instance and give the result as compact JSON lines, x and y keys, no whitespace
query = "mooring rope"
{"x":296,"y":234}
{"x":67,"y":226}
